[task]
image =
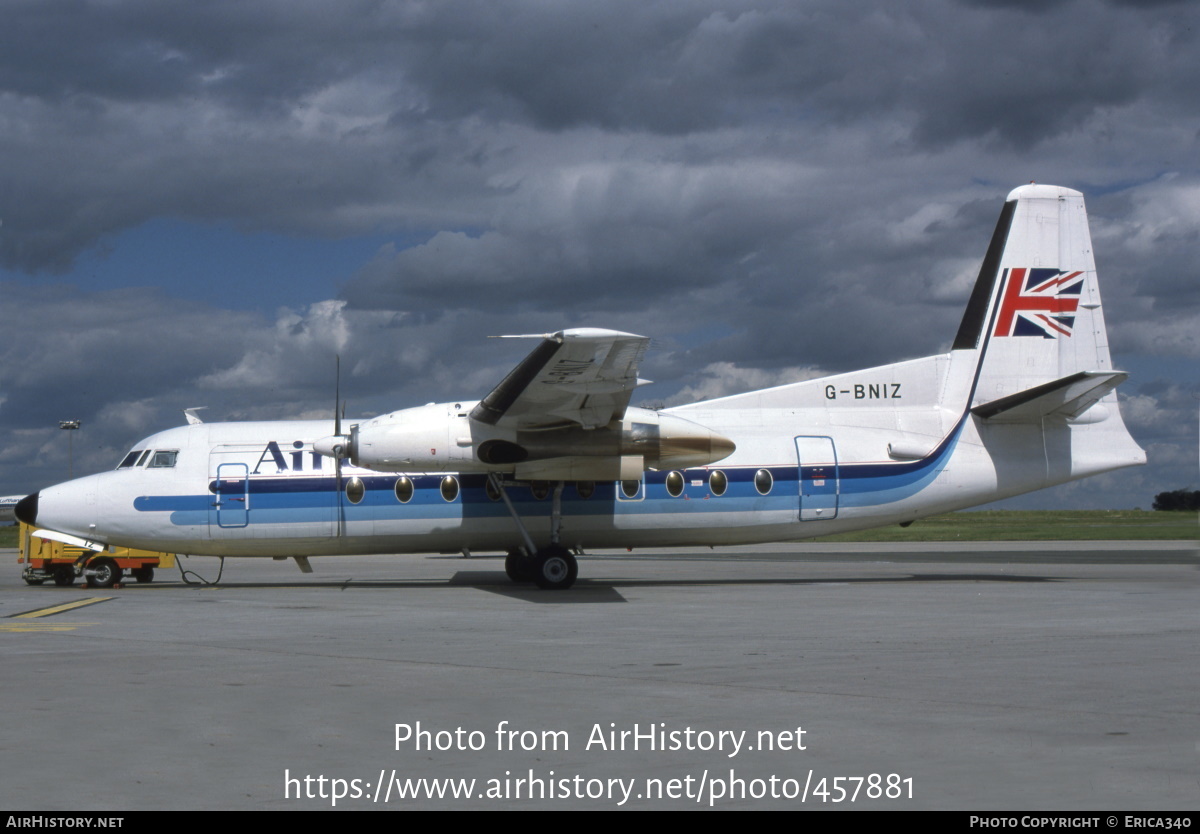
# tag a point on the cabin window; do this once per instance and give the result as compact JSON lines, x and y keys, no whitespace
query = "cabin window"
{"x":449,"y":487}
{"x":630,"y":489}
{"x":130,"y":459}
{"x":675,"y":484}
{"x":493,"y":491}
{"x":404,"y":489}
{"x":717,"y":482}
{"x":763,"y":481}
{"x":540,"y":490}
{"x":355,"y":490}
{"x":164,"y":459}
{"x":585,"y":488}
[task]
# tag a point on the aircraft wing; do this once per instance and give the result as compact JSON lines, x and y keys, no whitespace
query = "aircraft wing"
{"x":582,"y":376}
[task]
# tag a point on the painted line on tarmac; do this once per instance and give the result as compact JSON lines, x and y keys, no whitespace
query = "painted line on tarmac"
{"x":12,"y":627}
{"x":58,"y":609}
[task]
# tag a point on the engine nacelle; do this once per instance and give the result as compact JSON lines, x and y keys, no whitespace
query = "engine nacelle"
{"x":443,"y":437}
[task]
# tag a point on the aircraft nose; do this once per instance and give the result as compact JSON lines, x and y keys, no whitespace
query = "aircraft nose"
{"x":27,"y":509}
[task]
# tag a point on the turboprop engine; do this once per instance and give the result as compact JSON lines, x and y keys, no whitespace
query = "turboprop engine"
{"x":444,"y":437}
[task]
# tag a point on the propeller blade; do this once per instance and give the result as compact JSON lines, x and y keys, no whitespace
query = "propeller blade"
{"x":341,"y":510}
{"x":337,"y":396}
{"x":339,"y":449}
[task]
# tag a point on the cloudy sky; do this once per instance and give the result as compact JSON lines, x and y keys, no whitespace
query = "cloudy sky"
{"x":202,"y":203}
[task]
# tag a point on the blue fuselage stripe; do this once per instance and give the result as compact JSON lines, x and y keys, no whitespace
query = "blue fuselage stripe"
{"x":292,"y":499}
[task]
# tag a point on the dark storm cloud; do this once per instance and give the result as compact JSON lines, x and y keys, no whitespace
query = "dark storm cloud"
{"x":952,"y":72}
{"x":126,"y":343}
{"x":359,"y":116}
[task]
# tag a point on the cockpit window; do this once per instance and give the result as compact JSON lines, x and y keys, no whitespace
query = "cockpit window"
{"x":130,"y":459}
{"x":164,"y":458}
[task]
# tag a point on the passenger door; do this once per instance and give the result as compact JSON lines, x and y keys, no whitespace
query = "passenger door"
{"x":819,"y":482}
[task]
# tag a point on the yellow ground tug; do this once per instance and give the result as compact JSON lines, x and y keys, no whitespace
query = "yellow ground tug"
{"x":46,"y":559}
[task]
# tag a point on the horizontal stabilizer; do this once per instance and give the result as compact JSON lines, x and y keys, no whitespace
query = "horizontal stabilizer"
{"x":1068,"y":397}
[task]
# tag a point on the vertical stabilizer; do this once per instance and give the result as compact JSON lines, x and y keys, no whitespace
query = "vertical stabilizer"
{"x":1043,"y":394}
{"x":1035,"y":313}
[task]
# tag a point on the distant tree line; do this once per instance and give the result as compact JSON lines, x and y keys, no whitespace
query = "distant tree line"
{"x":1180,"y":499}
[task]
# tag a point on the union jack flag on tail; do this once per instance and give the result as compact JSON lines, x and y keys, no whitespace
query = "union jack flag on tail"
{"x":1038,"y":302}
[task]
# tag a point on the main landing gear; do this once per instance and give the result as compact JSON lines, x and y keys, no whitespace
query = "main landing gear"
{"x":553,"y":567}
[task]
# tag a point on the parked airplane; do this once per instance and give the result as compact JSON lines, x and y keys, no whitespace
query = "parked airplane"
{"x":8,"y":505}
{"x":554,"y":459}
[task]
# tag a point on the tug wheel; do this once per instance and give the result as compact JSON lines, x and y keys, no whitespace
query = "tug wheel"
{"x":105,"y":574}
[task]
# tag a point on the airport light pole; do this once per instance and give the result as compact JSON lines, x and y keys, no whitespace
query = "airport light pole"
{"x":70,"y":426}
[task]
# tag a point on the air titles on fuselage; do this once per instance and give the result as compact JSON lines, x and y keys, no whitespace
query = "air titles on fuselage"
{"x":272,"y":454}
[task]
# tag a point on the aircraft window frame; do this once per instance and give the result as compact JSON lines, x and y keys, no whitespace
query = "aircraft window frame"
{"x":142,"y":459}
{"x":761,"y":477}
{"x":718,"y":482}
{"x":623,"y":487}
{"x":540,"y":490}
{"x":449,"y":485}
{"x":674,"y":483}
{"x":355,"y":487}
{"x":585,"y":489}
{"x":163,"y":459}
{"x":130,"y":460}
{"x":404,"y":485}
{"x":493,"y":492}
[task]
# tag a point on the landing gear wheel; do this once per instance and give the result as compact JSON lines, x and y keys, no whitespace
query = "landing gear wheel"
{"x":143,"y":574}
{"x":64,"y":575}
{"x":518,"y":566}
{"x":555,"y":568}
{"x":106,"y":573}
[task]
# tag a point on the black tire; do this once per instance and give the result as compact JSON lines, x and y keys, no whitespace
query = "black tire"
{"x":145,"y":574}
{"x":518,"y":566}
{"x":107,"y":573}
{"x":64,"y":575}
{"x":555,"y":568}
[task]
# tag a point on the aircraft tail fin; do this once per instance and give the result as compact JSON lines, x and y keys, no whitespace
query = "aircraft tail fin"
{"x":1035,"y":313}
{"x":1034,"y":335}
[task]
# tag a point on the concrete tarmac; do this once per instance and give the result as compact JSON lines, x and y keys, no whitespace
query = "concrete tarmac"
{"x":990,"y":677}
